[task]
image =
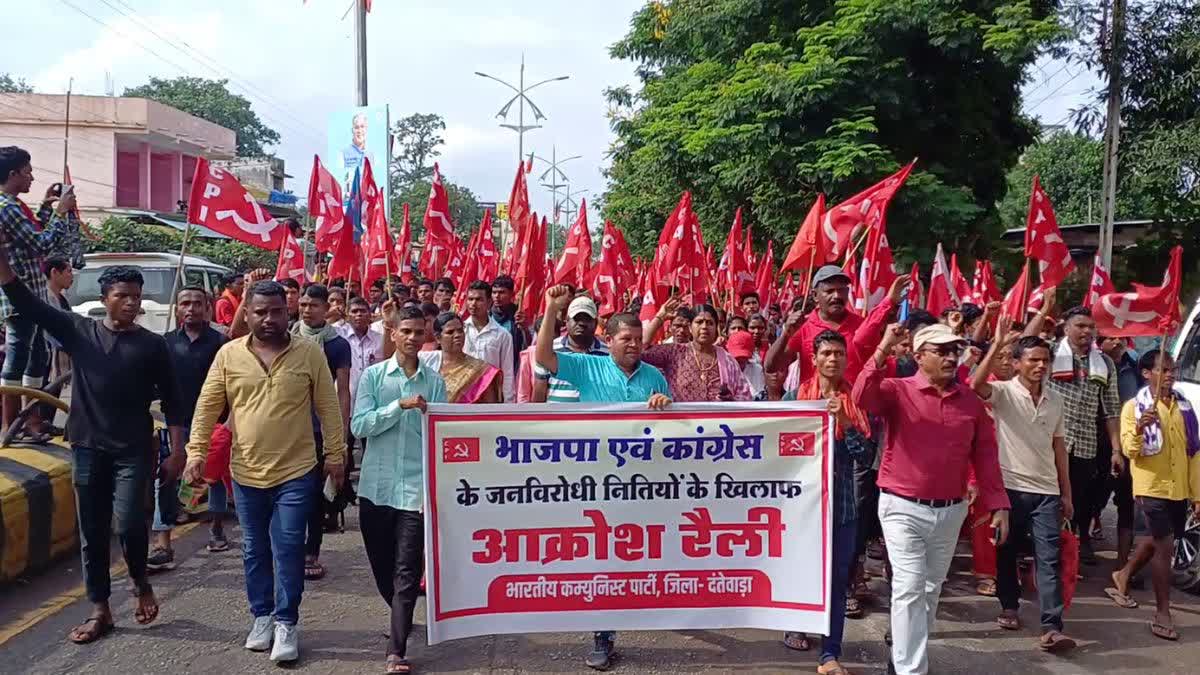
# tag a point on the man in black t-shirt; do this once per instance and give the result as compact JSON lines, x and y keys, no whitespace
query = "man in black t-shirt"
{"x":119,"y":369}
{"x":314,"y":306}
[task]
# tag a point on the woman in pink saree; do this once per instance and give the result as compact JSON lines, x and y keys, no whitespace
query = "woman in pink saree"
{"x":468,"y":379}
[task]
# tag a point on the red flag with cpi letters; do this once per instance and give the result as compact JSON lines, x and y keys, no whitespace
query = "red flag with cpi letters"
{"x":220,"y":203}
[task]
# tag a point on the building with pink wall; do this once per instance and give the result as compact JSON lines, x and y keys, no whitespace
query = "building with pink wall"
{"x":123,"y":153}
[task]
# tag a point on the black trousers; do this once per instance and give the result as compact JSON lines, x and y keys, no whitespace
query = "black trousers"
{"x":1083,"y":483}
{"x":108,"y":484}
{"x":395,"y":543}
{"x":316,"y":517}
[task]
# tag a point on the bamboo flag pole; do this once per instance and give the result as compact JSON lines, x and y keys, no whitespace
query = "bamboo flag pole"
{"x":812,"y":260}
{"x":187,"y":233}
{"x":67,"y":128}
{"x":1158,"y":365}
{"x":854,"y":249}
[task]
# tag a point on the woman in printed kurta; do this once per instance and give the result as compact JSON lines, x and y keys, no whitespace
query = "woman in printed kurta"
{"x":698,"y":370}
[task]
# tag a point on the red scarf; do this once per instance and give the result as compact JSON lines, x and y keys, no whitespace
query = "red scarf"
{"x":810,"y":390}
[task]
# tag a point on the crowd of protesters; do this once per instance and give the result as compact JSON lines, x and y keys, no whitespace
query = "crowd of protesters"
{"x":969,"y":423}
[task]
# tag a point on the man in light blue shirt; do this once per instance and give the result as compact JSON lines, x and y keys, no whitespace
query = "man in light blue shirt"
{"x":621,"y":376}
{"x":387,"y":411}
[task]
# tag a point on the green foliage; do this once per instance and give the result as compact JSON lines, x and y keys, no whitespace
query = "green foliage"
{"x":120,"y":234}
{"x":415,"y":146}
{"x":765,"y":103}
{"x":211,"y":100}
{"x":8,"y":85}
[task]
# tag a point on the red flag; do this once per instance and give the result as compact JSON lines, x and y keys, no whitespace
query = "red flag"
{"x":962,"y":290}
{"x":764,"y":281}
{"x":325,"y":206}
{"x":346,"y":256}
{"x":1147,"y":310}
{"x":989,"y":289}
{"x":748,"y":260}
{"x":852,"y":269}
{"x":220,"y":203}
{"x":808,"y":248}
{"x":533,"y":272}
{"x":376,"y":243}
{"x":518,"y":200}
{"x":576,"y":259}
{"x":291,"y":261}
{"x":614,"y":273}
{"x":1043,"y":239}
{"x":489,"y":257}
{"x":878,"y":270}
{"x":403,"y":250}
{"x":437,"y":213}
{"x":1015,"y":300}
{"x":1101,"y":283}
{"x":733,"y":273}
{"x":844,"y":222}
{"x":941,"y":293}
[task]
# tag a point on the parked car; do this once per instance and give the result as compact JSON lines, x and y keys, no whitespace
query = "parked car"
{"x":1187,"y":358}
{"x":158,"y":270}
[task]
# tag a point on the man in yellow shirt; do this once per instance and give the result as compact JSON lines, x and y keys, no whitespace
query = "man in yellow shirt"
{"x":270,"y":383}
{"x":1159,"y":436}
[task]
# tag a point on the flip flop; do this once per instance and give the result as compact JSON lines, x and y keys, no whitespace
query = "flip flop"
{"x":834,"y":668}
{"x":81,"y":636}
{"x":1055,"y":642}
{"x":1120,"y":599}
{"x":854,"y":608}
{"x":986,"y":587}
{"x":1164,"y":632}
{"x":314,"y":570}
{"x":145,"y":614}
{"x":396,"y":664}
{"x":796,"y":641}
{"x":1009,"y":621}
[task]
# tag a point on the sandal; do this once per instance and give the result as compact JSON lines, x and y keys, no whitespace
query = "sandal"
{"x":1120,"y":599}
{"x":1008,"y":620}
{"x":313,"y":570}
{"x":863,"y":592}
{"x":1055,"y":642}
{"x":796,"y":641}
{"x":854,"y":609}
{"x":93,"y":628}
{"x":986,"y":587}
{"x":1163,"y":631}
{"x":1097,"y":532}
{"x":397,"y":664}
{"x":832,"y":667}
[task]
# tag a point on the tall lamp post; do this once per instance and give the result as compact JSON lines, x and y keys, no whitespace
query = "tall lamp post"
{"x":520,"y":98}
{"x":555,"y":174}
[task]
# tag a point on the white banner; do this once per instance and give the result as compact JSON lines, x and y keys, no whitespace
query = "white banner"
{"x":545,"y":518}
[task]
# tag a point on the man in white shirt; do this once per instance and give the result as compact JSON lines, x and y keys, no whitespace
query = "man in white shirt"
{"x":366,"y":344}
{"x":486,"y":339}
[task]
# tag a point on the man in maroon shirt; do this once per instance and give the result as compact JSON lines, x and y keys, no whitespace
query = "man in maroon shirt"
{"x":935,"y":429}
{"x":832,"y":292}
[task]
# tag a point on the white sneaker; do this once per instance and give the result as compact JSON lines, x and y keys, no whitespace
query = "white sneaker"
{"x":259,"y":639}
{"x":287,"y":643}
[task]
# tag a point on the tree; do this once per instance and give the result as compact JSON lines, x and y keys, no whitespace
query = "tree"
{"x":765,"y":103}
{"x":120,"y":234}
{"x":211,"y":100}
{"x":416,"y":141}
{"x":8,"y":85}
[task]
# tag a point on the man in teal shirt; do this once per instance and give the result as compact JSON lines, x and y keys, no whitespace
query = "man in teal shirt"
{"x":618,"y":377}
{"x":391,"y":399}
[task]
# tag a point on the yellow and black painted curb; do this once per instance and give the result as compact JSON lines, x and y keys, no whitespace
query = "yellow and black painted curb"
{"x":37,"y":507}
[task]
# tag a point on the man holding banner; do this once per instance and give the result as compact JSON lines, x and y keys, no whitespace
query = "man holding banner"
{"x":387,"y":411}
{"x":621,"y":376}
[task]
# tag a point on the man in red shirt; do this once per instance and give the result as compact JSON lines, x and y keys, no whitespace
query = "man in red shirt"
{"x":922,"y":482}
{"x":832,"y":292}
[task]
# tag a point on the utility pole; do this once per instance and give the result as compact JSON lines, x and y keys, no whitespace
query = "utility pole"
{"x":555,"y":174}
{"x":360,"y":60}
{"x":520,"y":98}
{"x":1112,"y":131}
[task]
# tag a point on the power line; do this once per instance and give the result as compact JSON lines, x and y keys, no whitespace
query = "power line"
{"x":1048,"y":78}
{"x":105,"y":24}
{"x":212,"y":64}
{"x":1047,"y":97}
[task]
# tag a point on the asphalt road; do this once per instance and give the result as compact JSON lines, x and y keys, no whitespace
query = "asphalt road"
{"x":343,"y":621}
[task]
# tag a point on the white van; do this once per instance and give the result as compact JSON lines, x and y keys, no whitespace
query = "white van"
{"x":1186,"y":351}
{"x":158,"y":270}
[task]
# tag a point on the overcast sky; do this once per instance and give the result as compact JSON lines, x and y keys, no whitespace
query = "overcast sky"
{"x":295,"y":62}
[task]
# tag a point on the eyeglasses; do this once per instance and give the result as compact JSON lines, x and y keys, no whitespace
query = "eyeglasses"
{"x":944,"y":351}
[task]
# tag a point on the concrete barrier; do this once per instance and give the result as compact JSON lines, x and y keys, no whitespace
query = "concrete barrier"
{"x":37,"y":507}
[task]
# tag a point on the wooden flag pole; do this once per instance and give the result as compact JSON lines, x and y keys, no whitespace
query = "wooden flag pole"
{"x":812,"y":260}
{"x":1158,"y":365}
{"x":187,"y":234}
{"x":854,"y":249}
{"x":67,"y":127}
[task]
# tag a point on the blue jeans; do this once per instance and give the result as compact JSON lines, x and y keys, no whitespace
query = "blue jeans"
{"x":25,"y":355}
{"x":218,"y":499}
{"x":108,"y":484}
{"x":845,"y":541}
{"x":273,"y":523}
{"x":1040,"y":515}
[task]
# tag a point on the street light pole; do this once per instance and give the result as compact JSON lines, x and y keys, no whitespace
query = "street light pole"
{"x":521,"y":98}
{"x":555,"y":174}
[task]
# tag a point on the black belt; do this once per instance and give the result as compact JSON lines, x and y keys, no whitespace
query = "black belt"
{"x":935,"y":503}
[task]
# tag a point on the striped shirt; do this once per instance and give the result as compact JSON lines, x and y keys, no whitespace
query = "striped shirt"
{"x":562,"y":391}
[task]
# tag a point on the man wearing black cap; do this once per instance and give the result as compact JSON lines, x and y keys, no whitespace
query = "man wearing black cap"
{"x":831,"y":289}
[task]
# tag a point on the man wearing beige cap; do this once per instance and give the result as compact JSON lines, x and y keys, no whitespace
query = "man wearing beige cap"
{"x":922,"y":483}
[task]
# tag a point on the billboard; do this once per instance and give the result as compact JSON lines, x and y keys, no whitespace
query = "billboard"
{"x":355,"y":133}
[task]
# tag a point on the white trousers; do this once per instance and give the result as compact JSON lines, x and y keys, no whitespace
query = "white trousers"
{"x":920,"y":545}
